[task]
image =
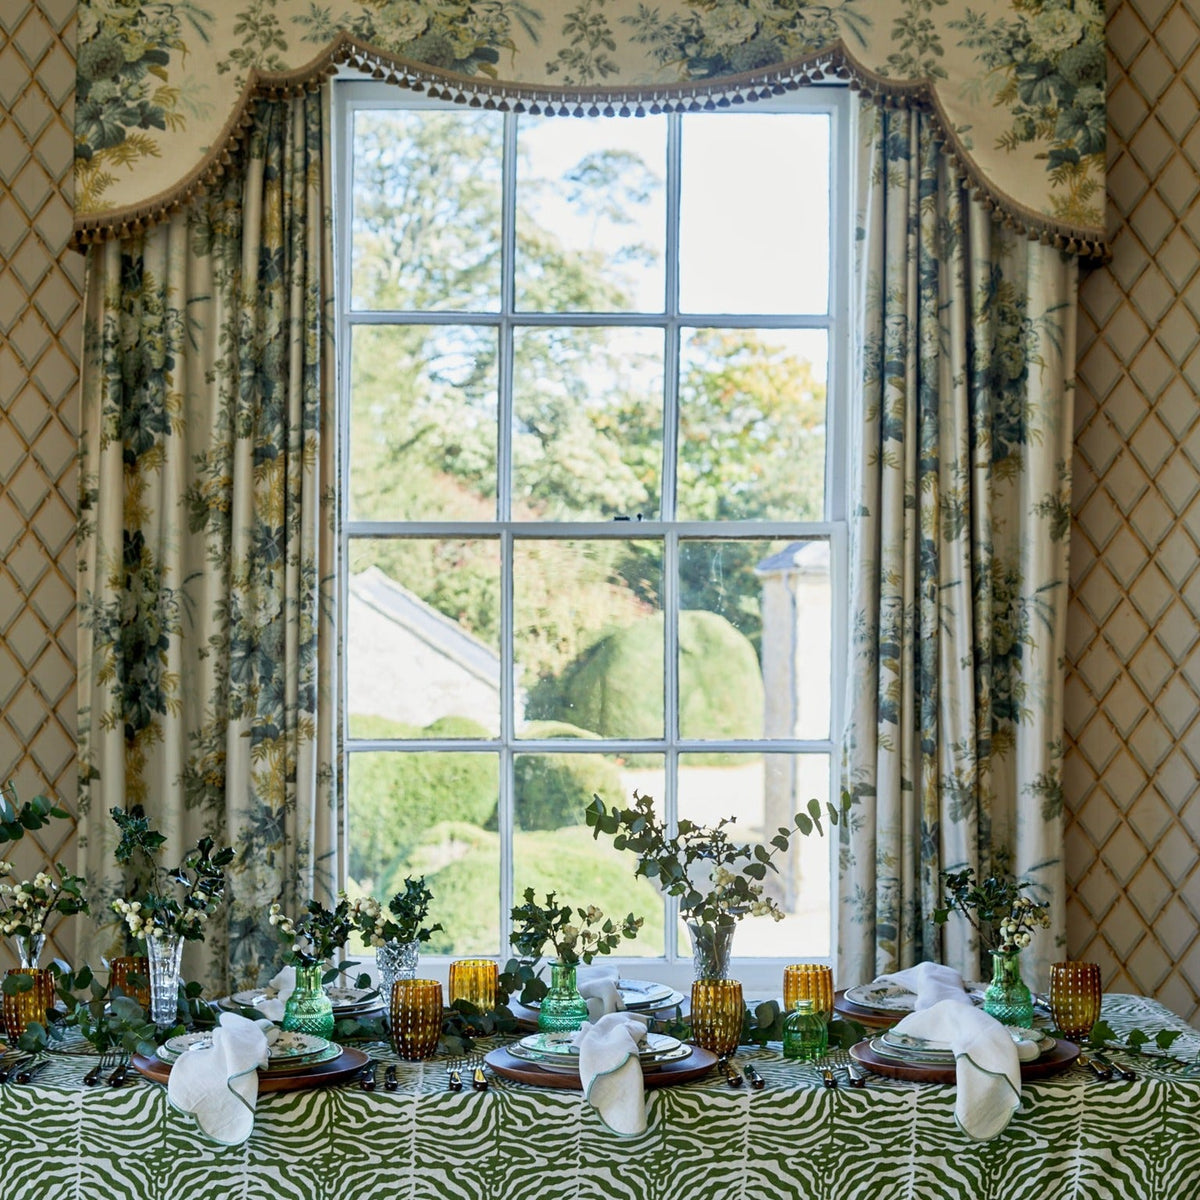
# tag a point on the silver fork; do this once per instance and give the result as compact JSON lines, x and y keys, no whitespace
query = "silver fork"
{"x":108,"y":1061}
{"x":454,"y":1081}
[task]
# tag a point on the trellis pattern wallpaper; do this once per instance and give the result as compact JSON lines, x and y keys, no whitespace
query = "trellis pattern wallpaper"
{"x":40,"y":290}
{"x":1133,"y":630}
{"x":1133,"y":685}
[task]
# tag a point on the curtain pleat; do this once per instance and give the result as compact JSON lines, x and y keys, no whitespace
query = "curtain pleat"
{"x":208,"y":536}
{"x":959,"y":527}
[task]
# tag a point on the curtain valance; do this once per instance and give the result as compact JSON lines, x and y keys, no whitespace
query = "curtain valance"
{"x":1016,"y":88}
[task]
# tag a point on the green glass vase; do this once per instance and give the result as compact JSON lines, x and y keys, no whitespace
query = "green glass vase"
{"x":805,"y":1034}
{"x":1007,"y":998}
{"x":308,"y":1009}
{"x":563,"y":1008}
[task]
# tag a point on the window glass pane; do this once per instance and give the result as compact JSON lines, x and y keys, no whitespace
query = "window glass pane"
{"x":588,"y":633}
{"x":587,"y":423}
{"x":754,"y":213}
{"x":423,"y":638}
{"x":431,"y":814}
{"x":764,"y":792}
{"x":752,"y":424}
{"x":754,"y":639}
{"x":553,"y":849}
{"x":423,"y":423}
{"x":425,"y":230}
{"x":591,"y":215}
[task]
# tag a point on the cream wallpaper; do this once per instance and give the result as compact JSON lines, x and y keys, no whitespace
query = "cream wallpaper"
{"x":1133,"y":737}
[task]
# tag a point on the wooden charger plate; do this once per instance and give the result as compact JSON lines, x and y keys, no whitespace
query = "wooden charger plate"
{"x":873,"y":1018}
{"x":1050,"y":1063}
{"x":695,"y":1066}
{"x":326,"y":1074}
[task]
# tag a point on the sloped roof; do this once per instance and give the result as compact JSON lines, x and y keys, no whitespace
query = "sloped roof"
{"x":395,"y":602}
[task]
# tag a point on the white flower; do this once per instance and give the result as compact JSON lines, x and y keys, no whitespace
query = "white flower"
{"x":1054,"y":30}
{"x":728,"y":25}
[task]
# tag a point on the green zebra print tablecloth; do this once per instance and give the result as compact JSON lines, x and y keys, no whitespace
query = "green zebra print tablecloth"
{"x":1073,"y":1139}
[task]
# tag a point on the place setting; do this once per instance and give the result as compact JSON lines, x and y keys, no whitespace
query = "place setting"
{"x":293,"y":1060}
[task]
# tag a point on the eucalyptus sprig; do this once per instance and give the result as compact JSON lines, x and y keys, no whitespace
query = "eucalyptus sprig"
{"x":1136,"y":1041}
{"x":550,"y":923}
{"x":763,"y":1024}
{"x":17,"y":819}
{"x":178,"y":900}
{"x":718,"y":880}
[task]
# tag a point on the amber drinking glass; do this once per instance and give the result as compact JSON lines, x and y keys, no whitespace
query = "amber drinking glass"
{"x":416,"y":1014}
{"x":717,"y":1014}
{"x":474,"y":980}
{"x":23,"y":1008}
{"x":809,"y":981}
{"x":1075,"y":997}
{"x":119,"y":971}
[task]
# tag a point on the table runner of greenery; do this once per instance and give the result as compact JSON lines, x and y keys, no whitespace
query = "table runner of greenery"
{"x":1074,"y":1137}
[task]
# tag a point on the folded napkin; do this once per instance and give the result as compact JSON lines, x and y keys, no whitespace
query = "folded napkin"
{"x":931,"y":982}
{"x":284,"y":985}
{"x":218,"y":1083}
{"x":598,"y":985}
{"x":986,"y":1061}
{"x":611,"y":1072}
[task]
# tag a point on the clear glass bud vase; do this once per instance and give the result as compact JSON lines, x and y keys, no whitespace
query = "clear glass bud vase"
{"x":164,"y":955}
{"x":29,"y":949}
{"x":1007,"y":997}
{"x":308,"y":1008}
{"x":563,"y":1008}
{"x":395,"y":960}
{"x":712,"y":950}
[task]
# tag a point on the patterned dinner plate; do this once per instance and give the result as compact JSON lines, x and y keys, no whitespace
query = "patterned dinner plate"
{"x":891,"y":998}
{"x":904,"y":1047}
{"x":551,"y":1047}
{"x":638,"y":995}
{"x":345,"y":999}
{"x":290,"y":1046}
{"x":569,"y":1065}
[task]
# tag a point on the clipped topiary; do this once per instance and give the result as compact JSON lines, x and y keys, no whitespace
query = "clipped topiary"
{"x":553,"y":790}
{"x":616,"y":687}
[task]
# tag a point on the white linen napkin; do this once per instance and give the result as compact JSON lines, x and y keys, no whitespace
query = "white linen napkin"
{"x":931,"y":982}
{"x":986,"y":1061}
{"x":611,"y":1072}
{"x":597,"y":984}
{"x":218,"y":1083}
{"x":284,"y":984}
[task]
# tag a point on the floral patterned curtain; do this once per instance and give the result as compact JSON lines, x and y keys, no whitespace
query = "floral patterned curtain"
{"x":207,"y":533}
{"x":959,"y":527}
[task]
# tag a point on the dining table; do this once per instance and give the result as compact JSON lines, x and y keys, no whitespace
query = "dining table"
{"x":1074,"y":1137}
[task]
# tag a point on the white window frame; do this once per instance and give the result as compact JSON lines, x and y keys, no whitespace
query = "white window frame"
{"x":760,"y":976}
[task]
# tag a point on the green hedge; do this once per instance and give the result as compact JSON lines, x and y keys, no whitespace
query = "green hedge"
{"x":396,"y":798}
{"x":552,"y":790}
